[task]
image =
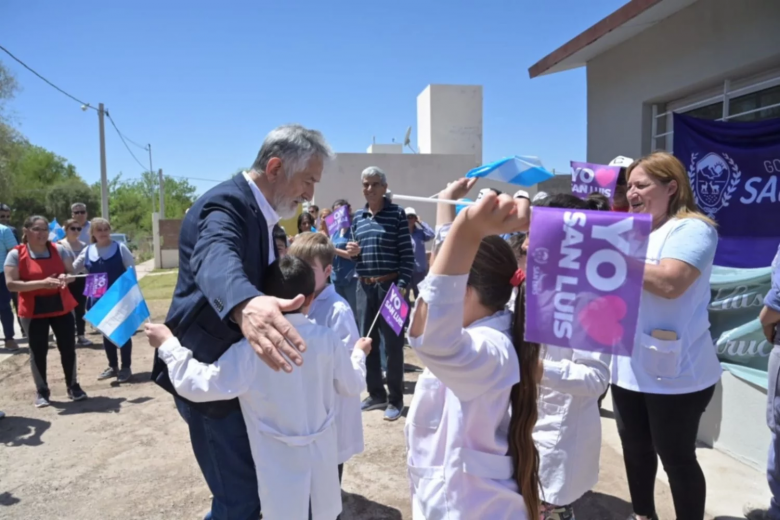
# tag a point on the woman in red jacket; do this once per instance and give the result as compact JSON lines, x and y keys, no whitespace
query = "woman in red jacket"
{"x":38,"y":271}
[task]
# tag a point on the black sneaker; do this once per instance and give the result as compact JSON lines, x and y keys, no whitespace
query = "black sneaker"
{"x":75,"y":393}
{"x":42,"y":399}
{"x":124,"y":375}
{"x":107,"y":374}
{"x":370,"y":403}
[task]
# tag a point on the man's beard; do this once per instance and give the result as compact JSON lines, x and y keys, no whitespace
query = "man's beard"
{"x":284,"y":206}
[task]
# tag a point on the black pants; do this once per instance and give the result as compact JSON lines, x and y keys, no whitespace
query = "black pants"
{"x":126,"y":353}
{"x":38,"y":337}
{"x":77,"y":290}
{"x":665,"y":426}
{"x":369,"y":301}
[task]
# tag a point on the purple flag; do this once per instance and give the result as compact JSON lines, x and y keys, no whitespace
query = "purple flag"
{"x":337,"y":220}
{"x":587,"y":178}
{"x":96,"y":285}
{"x":395,"y":309}
{"x":584,"y":278}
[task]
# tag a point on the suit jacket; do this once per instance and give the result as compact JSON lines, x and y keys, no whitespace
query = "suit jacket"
{"x":223,"y":255}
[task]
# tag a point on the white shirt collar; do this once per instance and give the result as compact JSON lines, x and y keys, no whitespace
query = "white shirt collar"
{"x":265,"y":208}
{"x":326,"y":293}
{"x":297,"y":319}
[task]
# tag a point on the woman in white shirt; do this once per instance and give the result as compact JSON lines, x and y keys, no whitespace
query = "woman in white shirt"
{"x":468,"y":434}
{"x":662,"y":390}
{"x":74,"y":246}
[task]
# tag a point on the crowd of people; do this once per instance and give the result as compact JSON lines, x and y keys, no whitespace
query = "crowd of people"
{"x":271,"y":339}
{"x":45,"y":281}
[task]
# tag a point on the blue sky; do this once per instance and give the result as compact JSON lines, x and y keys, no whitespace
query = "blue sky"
{"x":203,"y":82}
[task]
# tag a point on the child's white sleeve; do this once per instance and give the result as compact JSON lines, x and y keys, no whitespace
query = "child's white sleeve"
{"x":586,"y":374}
{"x":468,"y":363}
{"x":198,"y":382}
{"x":349,"y":371}
{"x":343,"y":324}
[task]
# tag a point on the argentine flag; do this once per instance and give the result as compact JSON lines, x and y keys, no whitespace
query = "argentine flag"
{"x":56,"y":232}
{"x":119,"y":312}
{"x":522,"y":170}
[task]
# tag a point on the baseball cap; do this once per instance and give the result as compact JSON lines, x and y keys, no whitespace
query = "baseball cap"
{"x":622,"y":161}
{"x":410,"y":211}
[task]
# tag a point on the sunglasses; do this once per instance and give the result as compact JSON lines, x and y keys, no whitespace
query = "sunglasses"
{"x":80,"y":212}
{"x":40,"y":230}
{"x":74,"y":228}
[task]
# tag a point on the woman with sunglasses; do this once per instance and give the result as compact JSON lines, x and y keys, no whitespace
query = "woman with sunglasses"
{"x":105,"y":255}
{"x":74,"y":246}
{"x":37,"y":270}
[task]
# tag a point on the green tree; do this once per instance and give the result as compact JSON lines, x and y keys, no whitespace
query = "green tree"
{"x":60,"y":197}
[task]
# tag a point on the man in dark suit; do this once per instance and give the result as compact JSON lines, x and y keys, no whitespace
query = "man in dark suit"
{"x":225,"y":247}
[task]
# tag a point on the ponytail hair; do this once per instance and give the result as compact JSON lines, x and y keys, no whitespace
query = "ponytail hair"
{"x":493,"y":268}
{"x":524,"y":395}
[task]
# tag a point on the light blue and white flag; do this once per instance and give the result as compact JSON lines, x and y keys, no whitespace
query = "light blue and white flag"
{"x":120,"y":311}
{"x":56,"y":232}
{"x":522,"y":170}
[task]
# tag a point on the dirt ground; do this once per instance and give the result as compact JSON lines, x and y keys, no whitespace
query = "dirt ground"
{"x":125,"y":452}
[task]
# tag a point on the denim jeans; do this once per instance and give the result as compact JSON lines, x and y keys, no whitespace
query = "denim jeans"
{"x":221,"y":447}
{"x":6,"y":313}
{"x":773,"y":421}
{"x":348,"y":291}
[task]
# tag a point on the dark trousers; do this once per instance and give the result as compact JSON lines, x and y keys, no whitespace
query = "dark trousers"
{"x":369,"y":301}
{"x":127,"y":353}
{"x":665,"y":426}
{"x":417,"y":278}
{"x":77,"y":290}
{"x":38,"y":337}
{"x":221,"y":447}
{"x":6,"y":313}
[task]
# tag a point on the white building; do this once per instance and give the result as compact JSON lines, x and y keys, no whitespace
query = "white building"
{"x":716,"y":59}
{"x":449,"y":142}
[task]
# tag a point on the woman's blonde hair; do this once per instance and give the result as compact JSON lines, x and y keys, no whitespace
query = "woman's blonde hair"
{"x":97,"y":221}
{"x":665,"y":167}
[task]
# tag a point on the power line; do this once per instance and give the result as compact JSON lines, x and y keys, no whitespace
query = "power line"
{"x":23,"y":64}
{"x":123,"y":141}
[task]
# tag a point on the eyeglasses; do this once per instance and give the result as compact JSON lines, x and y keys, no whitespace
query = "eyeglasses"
{"x":80,"y":212}
{"x":74,"y":228}
{"x":40,"y":230}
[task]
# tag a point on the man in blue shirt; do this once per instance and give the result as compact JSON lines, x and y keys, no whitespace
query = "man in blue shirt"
{"x":343,"y":277}
{"x":381,"y":230}
{"x":7,"y":242}
{"x":770,"y":321}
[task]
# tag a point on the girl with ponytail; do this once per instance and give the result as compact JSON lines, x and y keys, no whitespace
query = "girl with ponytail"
{"x":469,"y":437}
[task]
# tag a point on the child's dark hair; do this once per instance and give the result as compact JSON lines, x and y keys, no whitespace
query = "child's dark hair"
{"x":288,"y":277}
{"x":279,"y":233}
{"x":595,"y":201}
{"x":516,"y":243}
{"x":490,"y":275}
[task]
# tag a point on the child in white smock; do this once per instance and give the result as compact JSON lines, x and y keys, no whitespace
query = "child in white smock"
{"x":290,"y":417}
{"x":470,"y":450}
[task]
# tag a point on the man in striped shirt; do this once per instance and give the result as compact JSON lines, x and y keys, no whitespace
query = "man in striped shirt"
{"x":386,"y":257}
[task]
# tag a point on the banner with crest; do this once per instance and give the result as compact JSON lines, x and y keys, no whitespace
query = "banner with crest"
{"x":734,"y":169}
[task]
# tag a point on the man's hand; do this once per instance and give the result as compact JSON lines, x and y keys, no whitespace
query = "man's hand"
{"x":353,"y":249}
{"x":364,"y":344}
{"x":269,"y":333}
{"x":769,"y":319}
{"x":157,"y":334}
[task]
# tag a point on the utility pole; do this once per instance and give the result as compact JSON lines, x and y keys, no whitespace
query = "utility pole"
{"x":162,"y":195}
{"x":103,"y":175}
{"x":151,"y":172}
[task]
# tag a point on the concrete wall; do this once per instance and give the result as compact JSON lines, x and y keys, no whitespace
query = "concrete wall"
{"x":692,"y":50}
{"x":408,"y":174}
{"x":165,"y":237}
{"x":449,"y":120}
{"x":386,"y":148}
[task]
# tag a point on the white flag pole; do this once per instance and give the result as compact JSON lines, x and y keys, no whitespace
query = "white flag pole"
{"x":412,"y":198}
{"x":371,"y":329}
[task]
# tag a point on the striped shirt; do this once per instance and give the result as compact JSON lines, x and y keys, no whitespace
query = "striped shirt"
{"x":385,"y":243}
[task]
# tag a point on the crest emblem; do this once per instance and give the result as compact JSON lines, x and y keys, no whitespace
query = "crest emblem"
{"x":714,"y":179}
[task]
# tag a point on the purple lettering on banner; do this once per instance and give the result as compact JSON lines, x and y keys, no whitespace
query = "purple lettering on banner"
{"x":587,"y":178}
{"x":395,"y":309}
{"x":337,"y":220}
{"x":584,"y":278}
{"x":95,"y":285}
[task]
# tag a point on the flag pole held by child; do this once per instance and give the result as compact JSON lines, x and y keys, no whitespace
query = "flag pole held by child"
{"x":394,"y":310}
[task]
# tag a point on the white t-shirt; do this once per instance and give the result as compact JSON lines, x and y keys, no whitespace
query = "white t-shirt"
{"x":689,"y":363}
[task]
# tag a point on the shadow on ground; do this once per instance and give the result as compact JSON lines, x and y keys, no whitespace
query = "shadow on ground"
{"x":7,"y":499}
{"x":598,"y":506}
{"x":359,"y":507}
{"x":22,"y":431}
{"x":98,"y":404}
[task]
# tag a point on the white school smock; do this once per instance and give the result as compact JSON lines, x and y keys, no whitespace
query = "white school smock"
{"x":689,"y":363}
{"x":568,"y":429}
{"x":458,"y":424}
{"x":330,"y":310}
{"x":289,"y":417}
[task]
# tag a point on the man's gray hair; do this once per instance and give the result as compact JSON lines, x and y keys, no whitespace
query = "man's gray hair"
{"x":77,"y":205}
{"x":295,"y":146}
{"x":374,"y":171}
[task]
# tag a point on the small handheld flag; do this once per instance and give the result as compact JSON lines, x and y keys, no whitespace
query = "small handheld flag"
{"x":394,"y":310}
{"x":338,"y":220}
{"x":95,"y":285}
{"x":55,"y":231}
{"x":522,"y":170}
{"x":120,"y":311}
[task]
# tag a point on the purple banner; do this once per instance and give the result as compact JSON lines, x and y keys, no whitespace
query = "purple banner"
{"x":587,"y":178}
{"x":96,"y":285}
{"x":584,"y":278}
{"x":337,"y":220}
{"x":395,"y":309}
